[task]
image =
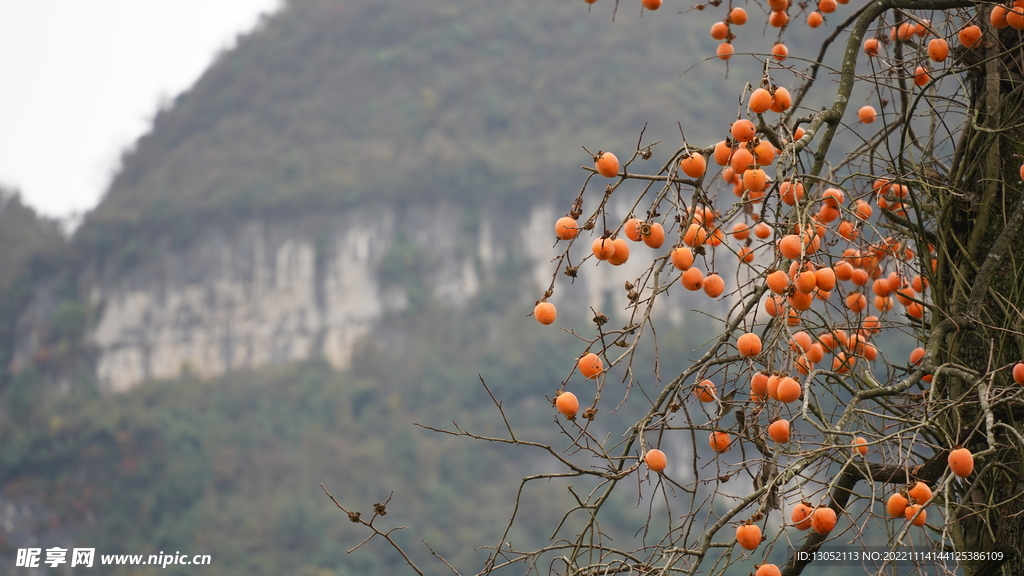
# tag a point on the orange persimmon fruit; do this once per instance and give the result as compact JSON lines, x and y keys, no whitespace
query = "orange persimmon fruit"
{"x":779,"y":431}
{"x":655,"y":460}
{"x":682,"y":258}
{"x":621,"y":253}
{"x":1015,"y":17}
{"x":719,"y":30}
{"x":917,"y":514}
{"x":692,"y":279}
{"x":714,"y":285}
{"x":632,"y":229}
{"x":801,"y":516}
{"x":823,"y":520}
{"x":742,"y":159}
{"x":743,"y":130}
{"x":896,"y":505}
{"x":860,"y":446}
{"x":603,"y":248}
{"x":778,"y":19}
{"x":693,"y":165}
{"x":607,"y":164}
{"x":722,"y":153}
{"x":789,"y":390}
{"x":566,"y":228}
{"x":719,"y":441}
{"x":759,"y":385}
{"x":781,"y":100}
{"x":749,"y":345}
{"x":762,"y":230}
{"x":778,"y":281}
{"x":590,"y":365}
{"x":567,"y":404}
{"x":998,"y":16}
{"x":696,"y":234}
{"x":961,"y":462}
{"x":791,"y":246}
{"x":920,"y":492}
{"x":938,"y":49}
{"x":705,"y":391}
{"x":760,"y":101}
{"x":969,"y":36}
{"x":655,"y":235}
{"x":545,"y":313}
{"x":748,"y":536}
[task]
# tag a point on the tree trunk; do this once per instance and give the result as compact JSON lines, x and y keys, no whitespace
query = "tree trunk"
{"x":978,"y":281}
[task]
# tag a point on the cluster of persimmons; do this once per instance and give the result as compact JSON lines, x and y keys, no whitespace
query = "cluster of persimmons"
{"x":828,"y":249}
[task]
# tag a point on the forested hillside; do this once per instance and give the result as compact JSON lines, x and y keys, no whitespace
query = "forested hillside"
{"x":231,"y":467}
{"x":330,"y":107}
{"x":331,"y":103}
{"x":31,"y":247}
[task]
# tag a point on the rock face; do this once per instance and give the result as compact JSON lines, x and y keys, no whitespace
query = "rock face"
{"x":250,"y":296}
{"x":247,"y":294}
{"x":243,"y":296}
{"x":328,"y":105}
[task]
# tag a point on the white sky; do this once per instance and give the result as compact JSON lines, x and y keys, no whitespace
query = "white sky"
{"x":80,"y":81}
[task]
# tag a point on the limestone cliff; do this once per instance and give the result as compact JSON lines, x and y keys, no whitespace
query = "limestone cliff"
{"x":350,"y":160}
{"x":256,"y":292}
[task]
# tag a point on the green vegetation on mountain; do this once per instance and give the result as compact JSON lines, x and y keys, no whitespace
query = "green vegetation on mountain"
{"x":231,"y":467}
{"x":332,"y":104}
{"x":30,"y":247}
{"x":29,"y":244}
{"x":328,"y":104}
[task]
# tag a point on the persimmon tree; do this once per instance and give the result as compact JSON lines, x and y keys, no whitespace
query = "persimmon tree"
{"x":823,"y":239}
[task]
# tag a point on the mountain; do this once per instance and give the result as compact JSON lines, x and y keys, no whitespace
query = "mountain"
{"x":340,"y":103}
{"x":350,"y":160}
{"x":346,"y":219}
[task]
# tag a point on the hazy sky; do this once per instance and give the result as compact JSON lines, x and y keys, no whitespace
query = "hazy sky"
{"x":80,"y":81}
